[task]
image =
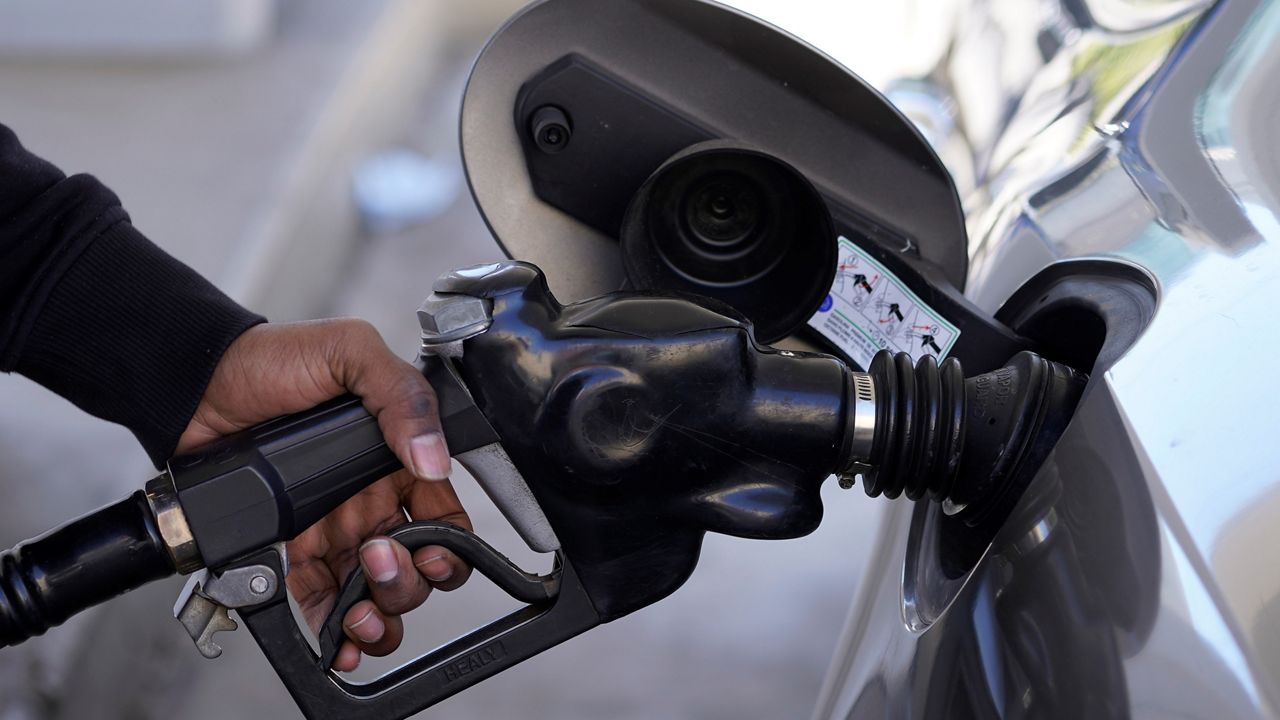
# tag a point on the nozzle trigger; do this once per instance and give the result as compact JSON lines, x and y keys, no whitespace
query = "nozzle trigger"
{"x":523,"y":586}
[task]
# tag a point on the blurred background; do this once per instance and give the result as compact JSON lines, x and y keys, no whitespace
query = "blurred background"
{"x":303,"y":155}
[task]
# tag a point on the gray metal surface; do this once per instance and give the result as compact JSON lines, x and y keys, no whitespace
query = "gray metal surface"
{"x":449,"y":318}
{"x":1139,"y":574}
{"x":241,"y":587}
{"x":202,"y":605}
{"x":202,"y":618}
{"x":502,"y":482}
{"x":864,"y":415}
{"x":171,"y":521}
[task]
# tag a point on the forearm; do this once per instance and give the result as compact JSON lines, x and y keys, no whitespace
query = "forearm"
{"x":95,"y":312}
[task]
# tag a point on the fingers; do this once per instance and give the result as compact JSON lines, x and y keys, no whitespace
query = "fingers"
{"x":441,"y":567}
{"x":438,"y":501}
{"x":395,"y":585}
{"x":398,"y":583}
{"x":314,"y":587}
{"x":435,"y":501}
{"x":348,"y":657}
{"x":309,"y":362}
{"x":322,"y":557}
{"x":372,"y":631}
{"x":397,"y":394}
{"x":273,"y":370}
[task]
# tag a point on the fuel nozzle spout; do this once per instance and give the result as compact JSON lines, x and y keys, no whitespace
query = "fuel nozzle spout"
{"x":923,"y":430}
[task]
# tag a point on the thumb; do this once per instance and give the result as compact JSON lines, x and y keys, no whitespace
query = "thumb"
{"x":396,"y":394}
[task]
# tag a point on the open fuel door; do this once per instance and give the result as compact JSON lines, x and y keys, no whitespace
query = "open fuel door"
{"x":681,"y":145}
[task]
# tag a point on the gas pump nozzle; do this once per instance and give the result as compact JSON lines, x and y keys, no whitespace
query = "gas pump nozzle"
{"x":614,"y":432}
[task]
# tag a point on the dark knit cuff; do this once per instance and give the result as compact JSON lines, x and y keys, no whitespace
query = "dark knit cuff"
{"x":132,"y":335}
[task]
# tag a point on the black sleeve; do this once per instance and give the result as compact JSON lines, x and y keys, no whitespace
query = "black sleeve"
{"x":92,"y":310}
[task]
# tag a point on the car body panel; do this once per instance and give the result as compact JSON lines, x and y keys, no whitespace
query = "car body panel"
{"x":1138,"y":575}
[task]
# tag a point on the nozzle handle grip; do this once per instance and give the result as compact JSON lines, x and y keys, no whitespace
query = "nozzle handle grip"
{"x":270,"y":482}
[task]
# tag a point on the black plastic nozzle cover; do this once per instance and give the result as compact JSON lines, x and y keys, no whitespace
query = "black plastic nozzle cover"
{"x":270,"y":483}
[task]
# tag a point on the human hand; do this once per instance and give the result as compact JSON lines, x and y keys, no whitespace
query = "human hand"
{"x":277,"y":369}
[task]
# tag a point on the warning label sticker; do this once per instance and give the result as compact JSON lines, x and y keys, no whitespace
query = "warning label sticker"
{"x":870,"y":309}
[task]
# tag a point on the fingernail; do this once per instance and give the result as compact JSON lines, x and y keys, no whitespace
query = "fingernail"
{"x":436,"y":568}
{"x":379,"y":561}
{"x":368,"y":628}
{"x":430,"y":456}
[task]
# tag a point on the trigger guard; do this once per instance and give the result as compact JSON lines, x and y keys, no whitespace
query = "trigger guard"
{"x":523,"y":586}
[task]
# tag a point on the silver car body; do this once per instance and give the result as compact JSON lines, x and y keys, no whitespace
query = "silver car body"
{"x":1140,"y":574}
